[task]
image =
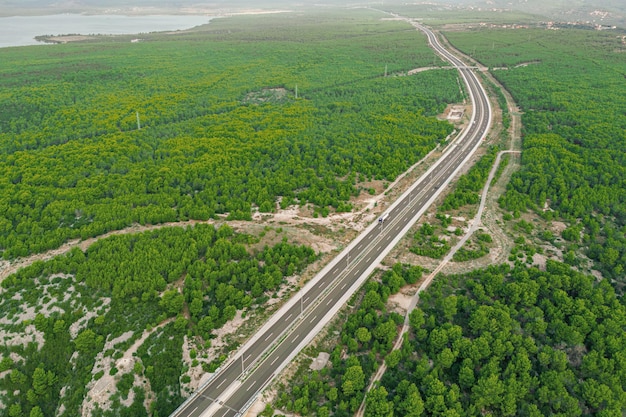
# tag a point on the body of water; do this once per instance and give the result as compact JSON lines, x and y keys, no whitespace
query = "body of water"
{"x":21,"y":30}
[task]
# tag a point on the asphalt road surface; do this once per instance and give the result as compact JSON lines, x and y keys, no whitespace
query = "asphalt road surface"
{"x":235,"y":386}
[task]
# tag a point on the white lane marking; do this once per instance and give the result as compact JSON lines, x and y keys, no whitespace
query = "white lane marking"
{"x":270,"y":335}
{"x":294,"y":339}
{"x":306,"y":299}
{"x":251,"y":385}
{"x":369,"y":259}
{"x":359,"y":247}
{"x":194,"y":410}
{"x":313,"y":319}
{"x":227,"y":411}
{"x":288,"y":316}
{"x":344,"y":286}
{"x":329,"y":301}
{"x":221,"y":383}
{"x":274,"y":361}
{"x":379,"y":246}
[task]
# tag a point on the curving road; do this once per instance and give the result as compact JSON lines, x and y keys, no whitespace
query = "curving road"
{"x":235,"y":386}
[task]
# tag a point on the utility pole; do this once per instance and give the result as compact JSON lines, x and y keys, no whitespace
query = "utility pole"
{"x":296,"y":91}
{"x":138,"y":124}
{"x":385,"y":70}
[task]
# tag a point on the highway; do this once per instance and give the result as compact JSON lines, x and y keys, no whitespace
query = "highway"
{"x":235,"y":386}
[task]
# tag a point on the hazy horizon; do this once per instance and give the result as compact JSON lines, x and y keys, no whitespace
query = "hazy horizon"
{"x":592,"y":11}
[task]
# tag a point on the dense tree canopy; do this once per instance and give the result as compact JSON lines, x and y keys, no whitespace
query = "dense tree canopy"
{"x":570,"y":86}
{"x":367,"y":337}
{"x":514,"y":342}
{"x":222,"y":131}
{"x":127,"y":283}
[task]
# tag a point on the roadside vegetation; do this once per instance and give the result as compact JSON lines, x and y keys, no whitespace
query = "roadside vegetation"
{"x":510,"y":341}
{"x":534,"y":336}
{"x":574,"y":138}
{"x":231,"y":118}
{"x":218,"y":123}
{"x":469,"y":186}
{"x":428,"y":243}
{"x":434,"y":239}
{"x":366,"y":337}
{"x":224,"y":134}
{"x":63,"y":319}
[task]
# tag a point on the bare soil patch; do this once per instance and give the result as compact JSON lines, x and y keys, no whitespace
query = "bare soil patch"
{"x":30,"y":335}
{"x":557,"y":227}
{"x":100,"y":391}
{"x":265,"y":95}
{"x":400,"y":301}
{"x":320,"y":362}
{"x":454,"y":112}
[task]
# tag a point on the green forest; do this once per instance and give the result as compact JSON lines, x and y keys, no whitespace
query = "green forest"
{"x":215,"y":123}
{"x":510,"y":342}
{"x":514,"y":340}
{"x":366,"y":336}
{"x":177,"y":281}
{"x":570,"y":87}
{"x":230,"y":118}
{"x":502,"y":341}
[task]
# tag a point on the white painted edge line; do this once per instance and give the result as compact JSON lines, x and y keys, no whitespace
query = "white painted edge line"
{"x":311,"y":283}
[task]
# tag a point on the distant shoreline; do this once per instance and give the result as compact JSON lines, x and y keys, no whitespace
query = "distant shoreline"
{"x":136,"y":11}
{"x":57,"y":28}
{"x":18,"y":31}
